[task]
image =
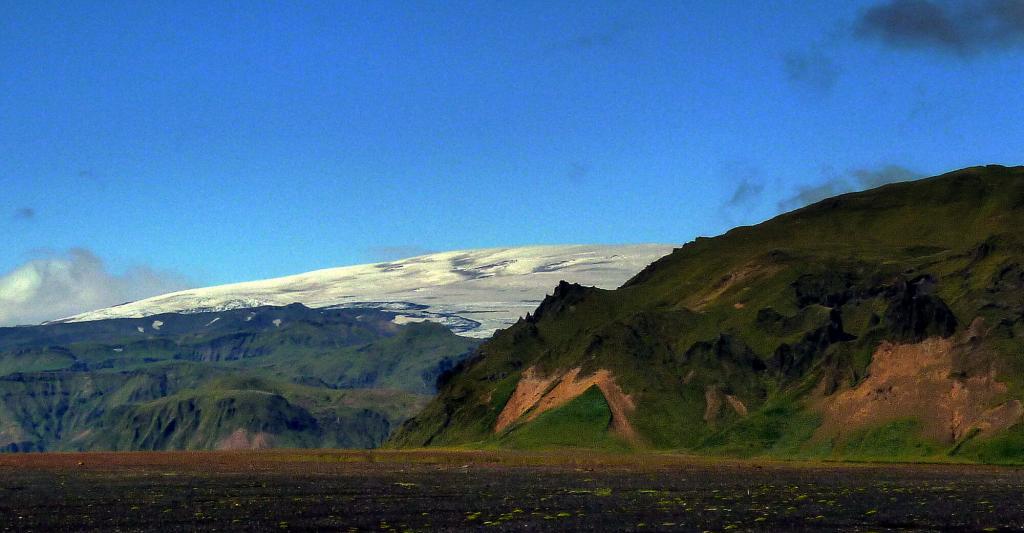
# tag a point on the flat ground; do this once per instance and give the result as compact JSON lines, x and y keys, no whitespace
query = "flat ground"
{"x":448,"y":490}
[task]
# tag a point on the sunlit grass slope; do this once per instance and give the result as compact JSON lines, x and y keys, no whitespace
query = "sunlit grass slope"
{"x":880,"y":324}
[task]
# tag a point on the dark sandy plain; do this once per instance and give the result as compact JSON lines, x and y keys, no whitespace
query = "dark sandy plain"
{"x":471,"y":490}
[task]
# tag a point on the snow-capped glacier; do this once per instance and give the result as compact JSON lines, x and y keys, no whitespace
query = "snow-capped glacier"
{"x":473,"y":292}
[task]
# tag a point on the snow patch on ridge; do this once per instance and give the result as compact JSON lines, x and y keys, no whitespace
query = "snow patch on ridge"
{"x":473,"y":292}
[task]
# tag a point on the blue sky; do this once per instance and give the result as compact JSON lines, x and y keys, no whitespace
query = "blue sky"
{"x":228,"y":141}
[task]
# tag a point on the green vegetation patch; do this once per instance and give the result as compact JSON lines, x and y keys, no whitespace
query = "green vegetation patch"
{"x":780,"y":430}
{"x":1003,"y":448}
{"x":583,"y":422}
{"x":899,"y":439}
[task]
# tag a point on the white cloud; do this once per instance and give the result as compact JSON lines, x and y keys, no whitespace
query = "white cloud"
{"x":75,"y":282}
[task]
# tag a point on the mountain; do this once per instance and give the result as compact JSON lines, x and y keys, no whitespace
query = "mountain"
{"x":885,"y":324}
{"x":473,"y":292}
{"x":250,"y":365}
{"x":249,"y":378}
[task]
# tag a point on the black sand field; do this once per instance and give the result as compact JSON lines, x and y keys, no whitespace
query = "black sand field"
{"x":430,"y":491}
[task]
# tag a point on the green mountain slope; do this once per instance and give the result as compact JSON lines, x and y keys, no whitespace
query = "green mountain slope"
{"x":249,"y":378}
{"x":882,"y":324}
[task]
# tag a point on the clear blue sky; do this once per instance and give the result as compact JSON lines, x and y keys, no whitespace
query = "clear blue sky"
{"x":231,"y":141}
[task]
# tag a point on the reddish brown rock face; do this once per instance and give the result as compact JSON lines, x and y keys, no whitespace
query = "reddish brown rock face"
{"x":535,"y":395}
{"x":926,"y":381}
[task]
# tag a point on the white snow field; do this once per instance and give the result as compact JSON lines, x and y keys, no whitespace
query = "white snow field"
{"x":473,"y":292}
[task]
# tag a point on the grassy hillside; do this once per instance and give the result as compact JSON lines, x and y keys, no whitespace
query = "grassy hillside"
{"x":882,"y":324}
{"x":250,"y":378}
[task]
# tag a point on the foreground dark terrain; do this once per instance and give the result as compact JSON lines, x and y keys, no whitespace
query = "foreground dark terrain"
{"x":438,"y":490}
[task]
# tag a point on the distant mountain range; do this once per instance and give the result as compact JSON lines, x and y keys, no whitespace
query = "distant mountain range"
{"x":246,"y":378}
{"x":247,"y":366}
{"x":473,"y":292}
{"x":886,"y":324}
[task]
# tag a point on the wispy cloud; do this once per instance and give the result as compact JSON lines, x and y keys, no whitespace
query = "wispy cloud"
{"x":871,"y":178}
{"x":77,"y":281}
{"x":746,"y":191}
{"x":24,"y":213}
{"x":752,"y":193}
{"x":855,"y":180}
{"x":811,"y":68}
{"x":959,"y":28}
